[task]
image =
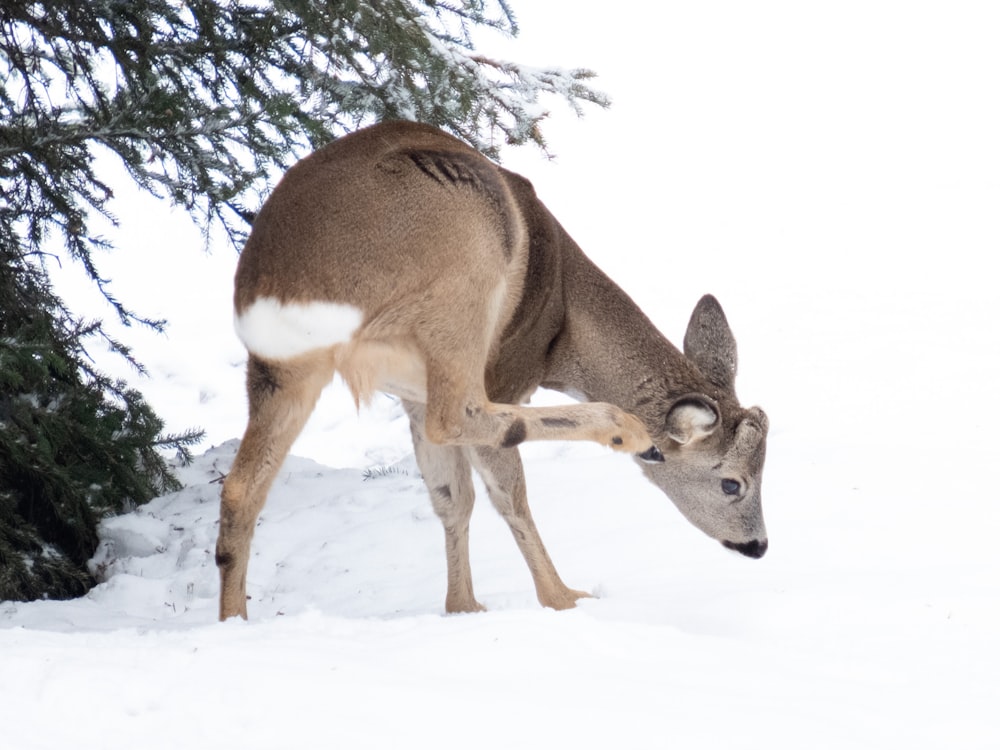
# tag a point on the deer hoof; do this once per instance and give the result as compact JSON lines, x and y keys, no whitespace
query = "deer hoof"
{"x":564,"y":599}
{"x":628,"y":435}
{"x":463,"y":607}
{"x":652,"y":455}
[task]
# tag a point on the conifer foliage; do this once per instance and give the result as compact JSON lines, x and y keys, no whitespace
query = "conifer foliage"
{"x":203,"y":102}
{"x":74,"y":445}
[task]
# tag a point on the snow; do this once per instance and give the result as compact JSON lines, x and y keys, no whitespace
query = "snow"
{"x":831,"y":176}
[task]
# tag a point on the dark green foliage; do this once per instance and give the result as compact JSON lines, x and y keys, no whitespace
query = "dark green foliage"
{"x":203,"y":102}
{"x":74,"y":446}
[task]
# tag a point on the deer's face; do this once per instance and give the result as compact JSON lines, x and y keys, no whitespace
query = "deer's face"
{"x":712,"y":448}
{"x":714,"y":475}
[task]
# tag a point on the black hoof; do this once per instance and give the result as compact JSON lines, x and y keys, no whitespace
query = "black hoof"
{"x":652,"y":455}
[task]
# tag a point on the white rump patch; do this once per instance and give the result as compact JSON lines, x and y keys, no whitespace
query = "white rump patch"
{"x":276,"y":330}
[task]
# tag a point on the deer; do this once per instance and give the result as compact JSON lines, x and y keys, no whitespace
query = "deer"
{"x":405,"y":261}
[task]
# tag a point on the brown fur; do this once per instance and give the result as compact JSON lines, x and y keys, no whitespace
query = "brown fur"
{"x":472,"y":296}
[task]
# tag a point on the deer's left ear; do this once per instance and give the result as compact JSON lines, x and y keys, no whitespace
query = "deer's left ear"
{"x":709,"y":343}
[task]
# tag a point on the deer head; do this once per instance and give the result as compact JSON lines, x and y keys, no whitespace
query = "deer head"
{"x":712,"y":449}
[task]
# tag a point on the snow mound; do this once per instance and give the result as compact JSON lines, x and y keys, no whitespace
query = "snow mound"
{"x":317,"y":526}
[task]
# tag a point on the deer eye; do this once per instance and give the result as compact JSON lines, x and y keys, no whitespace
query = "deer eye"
{"x":730,"y":486}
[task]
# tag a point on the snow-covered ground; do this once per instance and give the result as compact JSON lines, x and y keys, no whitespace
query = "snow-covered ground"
{"x":833,"y":176}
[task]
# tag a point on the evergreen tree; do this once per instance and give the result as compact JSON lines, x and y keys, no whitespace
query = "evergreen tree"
{"x":204,"y":102}
{"x":74,"y":446}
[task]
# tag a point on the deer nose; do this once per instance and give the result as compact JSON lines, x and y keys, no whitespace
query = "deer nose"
{"x":754,"y":549}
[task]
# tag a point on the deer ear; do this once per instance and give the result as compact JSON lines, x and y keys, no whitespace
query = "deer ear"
{"x":691,"y":418}
{"x":709,"y":343}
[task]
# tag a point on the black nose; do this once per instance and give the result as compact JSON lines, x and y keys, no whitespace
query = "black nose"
{"x":754,"y":549}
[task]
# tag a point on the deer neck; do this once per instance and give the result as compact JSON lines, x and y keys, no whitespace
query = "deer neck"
{"x":608,"y":350}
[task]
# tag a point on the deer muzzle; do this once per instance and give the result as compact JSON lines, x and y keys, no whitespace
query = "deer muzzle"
{"x":754,"y":549}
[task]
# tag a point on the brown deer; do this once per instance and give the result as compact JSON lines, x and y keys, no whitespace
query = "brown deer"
{"x":406,"y":261}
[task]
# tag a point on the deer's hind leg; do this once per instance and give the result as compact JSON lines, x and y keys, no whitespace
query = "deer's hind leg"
{"x":455,"y":348}
{"x":503,"y":474}
{"x":282,"y":395}
{"x":448,"y":476}
{"x":459,"y":413}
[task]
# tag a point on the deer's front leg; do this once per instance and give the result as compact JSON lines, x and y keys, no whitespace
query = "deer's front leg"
{"x":503,"y":473}
{"x":448,"y":477}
